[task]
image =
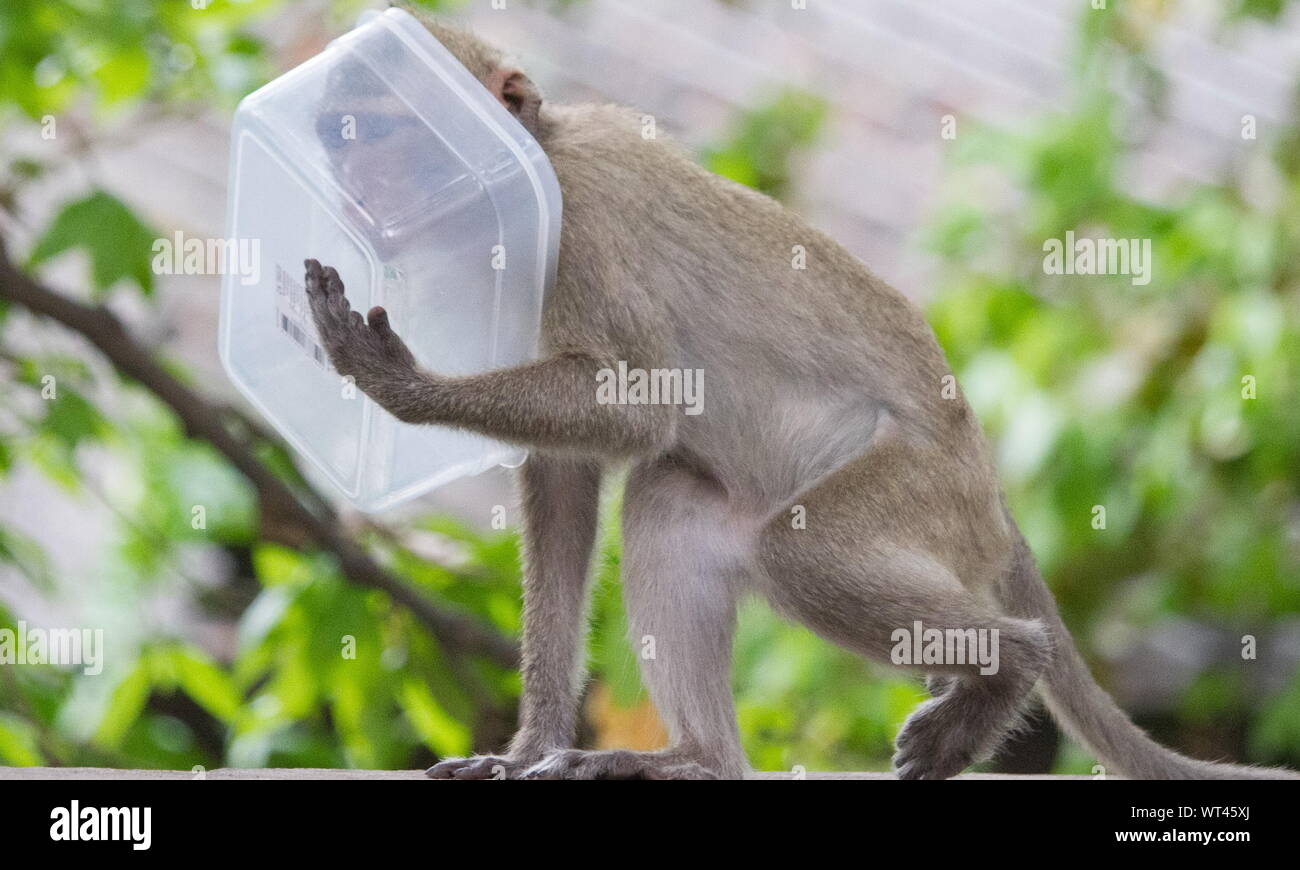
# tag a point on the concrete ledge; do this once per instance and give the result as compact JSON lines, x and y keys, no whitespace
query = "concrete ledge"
{"x":105,"y":773}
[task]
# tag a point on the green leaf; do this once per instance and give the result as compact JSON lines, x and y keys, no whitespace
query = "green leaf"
{"x":119,"y":245}
{"x":125,"y":707}
{"x":1265,"y":10}
{"x":276,"y":565}
{"x":206,"y":683}
{"x":52,"y":458}
{"x":18,"y":746}
{"x":26,"y":168}
{"x":27,"y":556}
{"x":439,"y":731}
{"x":764,"y":140}
{"x":71,"y":419}
{"x":124,"y":75}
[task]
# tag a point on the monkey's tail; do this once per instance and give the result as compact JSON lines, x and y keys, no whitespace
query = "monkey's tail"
{"x":1085,"y":710}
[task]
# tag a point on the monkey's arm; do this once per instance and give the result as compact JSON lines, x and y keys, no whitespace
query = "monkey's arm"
{"x":550,"y":403}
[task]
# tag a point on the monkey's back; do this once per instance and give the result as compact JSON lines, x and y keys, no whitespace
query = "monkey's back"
{"x":679,"y":268}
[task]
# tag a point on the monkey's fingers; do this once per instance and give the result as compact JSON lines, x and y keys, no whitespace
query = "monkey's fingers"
{"x":378,"y":320}
{"x":312,"y":278}
{"x":332,"y":283}
{"x":391,"y":342}
{"x":314,"y":281}
{"x":334,"y":295}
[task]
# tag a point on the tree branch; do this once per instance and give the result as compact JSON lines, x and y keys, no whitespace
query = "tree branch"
{"x":204,"y":420}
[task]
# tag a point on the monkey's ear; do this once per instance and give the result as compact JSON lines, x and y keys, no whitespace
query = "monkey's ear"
{"x":518,"y":94}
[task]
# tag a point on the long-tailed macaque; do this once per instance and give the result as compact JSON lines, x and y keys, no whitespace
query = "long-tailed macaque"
{"x":834,"y":468}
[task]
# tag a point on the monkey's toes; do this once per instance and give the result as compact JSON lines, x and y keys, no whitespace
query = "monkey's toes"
{"x":616,"y":764}
{"x":477,"y":767}
{"x":931,"y":745}
{"x":930,"y":767}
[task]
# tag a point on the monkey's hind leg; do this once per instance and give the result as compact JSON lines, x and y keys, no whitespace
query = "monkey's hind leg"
{"x":848,"y":575}
{"x":972,"y":712}
{"x":684,"y":558}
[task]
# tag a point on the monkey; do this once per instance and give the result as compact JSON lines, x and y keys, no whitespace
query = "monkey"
{"x":828,"y":393}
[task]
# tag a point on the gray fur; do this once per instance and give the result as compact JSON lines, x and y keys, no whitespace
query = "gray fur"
{"x":824,"y":389}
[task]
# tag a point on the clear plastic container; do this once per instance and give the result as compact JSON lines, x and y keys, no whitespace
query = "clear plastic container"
{"x":385,"y":158}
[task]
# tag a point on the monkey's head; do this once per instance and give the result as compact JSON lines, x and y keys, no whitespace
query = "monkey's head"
{"x":376,"y":143}
{"x":506,"y":82}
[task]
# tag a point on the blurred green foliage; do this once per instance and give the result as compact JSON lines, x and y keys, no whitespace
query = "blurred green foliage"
{"x":1096,"y":391}
{"x":759,"y":148}
{"x":1171,"y":404}
{"x":56,"y":54}
{"x":110,"y":233}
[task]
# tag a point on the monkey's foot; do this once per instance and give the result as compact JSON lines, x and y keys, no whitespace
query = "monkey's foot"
{"x":368,"y":351}
{"x":934,"y":743}
{"x":616,"y":764}
{"x":478,"y":767}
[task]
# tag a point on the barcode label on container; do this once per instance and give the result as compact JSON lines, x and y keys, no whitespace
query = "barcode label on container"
{"x":292,"y":313}
{"x":304,"y":341}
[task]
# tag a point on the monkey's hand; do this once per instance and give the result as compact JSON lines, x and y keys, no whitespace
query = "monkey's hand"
{"x":366,"y":349}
